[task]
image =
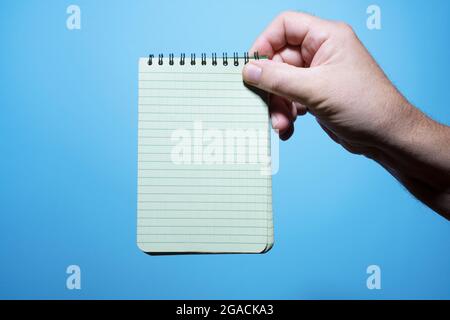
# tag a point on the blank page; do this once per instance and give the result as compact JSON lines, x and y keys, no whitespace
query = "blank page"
{"x":204,"y":177}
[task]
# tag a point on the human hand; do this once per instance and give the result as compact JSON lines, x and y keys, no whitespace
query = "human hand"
{"x":320,"y":66}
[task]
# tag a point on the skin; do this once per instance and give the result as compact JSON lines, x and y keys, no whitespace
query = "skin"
{"x":320,"y":67}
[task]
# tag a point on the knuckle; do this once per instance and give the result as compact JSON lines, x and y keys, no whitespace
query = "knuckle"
{"x":345,"y":28}
{"x":288,"y":13}
{"x":285,"y":14}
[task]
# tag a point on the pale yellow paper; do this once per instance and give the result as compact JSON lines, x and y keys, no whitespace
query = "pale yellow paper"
{"x":200,"y":207}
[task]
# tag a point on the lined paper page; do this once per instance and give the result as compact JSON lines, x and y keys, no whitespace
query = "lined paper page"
{"x":204,"y":183}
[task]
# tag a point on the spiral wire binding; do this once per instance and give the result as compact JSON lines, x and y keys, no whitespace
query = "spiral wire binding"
{"x":236,"y":58}
{"x":225,"y":59}
{"x":203,"y":59}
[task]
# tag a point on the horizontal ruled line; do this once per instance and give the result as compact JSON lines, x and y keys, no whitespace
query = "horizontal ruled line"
{"x":202,"y":169}
{"x":194,"y":154}
{"x":203,"y":226}
{"x":196,"y":218}
{"x":205,"y":164}
{"x":203,"y":113}
{"x":215,"y":178}
{"x":185,"y":72}
{"x":203,"y":234}
{"x":199,"y":185}
{"x":194,"y":89}
{"x":212,"y":121}
{"x":199,"y":105}
{"x":196,"y":201}
{"x":173,"y":129}
{"x":203,"y":242}
{"x":196,"y":97}
{"x":163,"y":144}
{"x":178,"y":80}
{"x":208,"y":194}
{"x":205,"y":210}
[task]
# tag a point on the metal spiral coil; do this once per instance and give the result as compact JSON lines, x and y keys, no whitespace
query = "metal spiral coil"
{"x":236,"y":59}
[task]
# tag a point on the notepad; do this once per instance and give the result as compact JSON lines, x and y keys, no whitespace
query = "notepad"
{"x":204,"y":182}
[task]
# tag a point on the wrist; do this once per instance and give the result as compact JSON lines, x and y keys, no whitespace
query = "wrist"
{"x":398,"y":125}
{"x":413,"y":145}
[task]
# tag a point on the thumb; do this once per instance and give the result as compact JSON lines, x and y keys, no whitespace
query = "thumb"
{"x":281,"y":79}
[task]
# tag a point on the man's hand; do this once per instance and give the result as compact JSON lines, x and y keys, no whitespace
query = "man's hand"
{"x":321,"y":67}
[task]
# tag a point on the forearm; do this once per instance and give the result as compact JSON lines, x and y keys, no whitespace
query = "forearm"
{"x":417,"y":153}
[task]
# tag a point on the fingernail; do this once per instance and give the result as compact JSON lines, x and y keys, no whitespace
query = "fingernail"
{"x":301,"y":109}
{"x":274,"y":121}
{"x":252,"y":73}
{"x":285,"y":135}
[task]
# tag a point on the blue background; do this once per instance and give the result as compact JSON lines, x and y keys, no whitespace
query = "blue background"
{"x":68,"y":140}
